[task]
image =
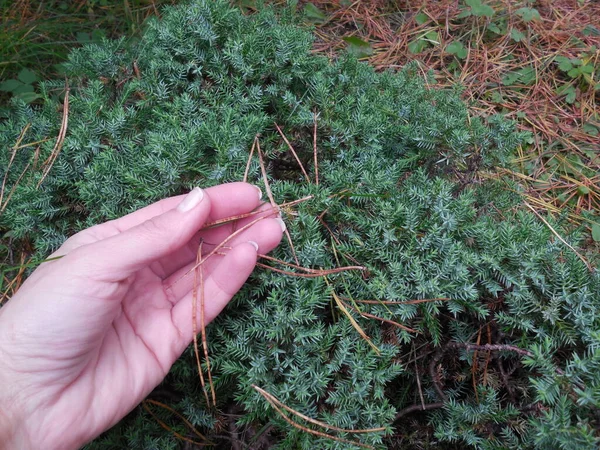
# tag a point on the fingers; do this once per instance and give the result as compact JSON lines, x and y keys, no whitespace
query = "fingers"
{"x":117,"y":257}
{"x":226,"y":199}
{"x":210,"y":238}
{"x":266,"y":233}
{"x":225,"y":280}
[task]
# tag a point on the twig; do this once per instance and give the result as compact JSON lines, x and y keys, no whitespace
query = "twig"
{"x":270,"y":195}
{"x":587,"y":264}
{"x":422,"y":407}
{"x":293,"y":153}
{"x":59,"y":140}
{"x":198,"y":275}
{"x":183,"y":419}
{"x":245,"y":179}
{"x":316,"y":162}
{"x":12,"y":158}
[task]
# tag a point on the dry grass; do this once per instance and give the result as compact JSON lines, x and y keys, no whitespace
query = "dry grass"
{"x":562,"y":154}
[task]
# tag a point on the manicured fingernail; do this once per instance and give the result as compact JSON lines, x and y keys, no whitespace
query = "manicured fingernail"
{"x":259,"y":192}
{"x":253,"y":244}
{"x":191,"y":200}
{"x":281,"y":223}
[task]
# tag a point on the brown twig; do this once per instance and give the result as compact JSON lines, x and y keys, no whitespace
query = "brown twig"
{"x":198,"y":275}
{"x":59,"y":140}
{"x":293,"y":153}
{"x":183,"y":419}
{"x":270,"y":195}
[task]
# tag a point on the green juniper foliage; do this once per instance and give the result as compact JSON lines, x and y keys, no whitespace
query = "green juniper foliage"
{"x":181,"y":107}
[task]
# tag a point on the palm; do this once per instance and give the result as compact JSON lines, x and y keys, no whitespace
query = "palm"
{"x":100,"y":343}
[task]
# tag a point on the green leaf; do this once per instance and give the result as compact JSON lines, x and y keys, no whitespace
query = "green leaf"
{"x":458,"y":49}
{"x":417,"y":46}
{"x":24,"y":88}
{"x":596,"y":232}
{"x":528,"y":14}
{"x":479,"y":9}
{"x":583,"y":190}
{"x":10,"y":85}
{"x":516,"y":35}
{"x":421,"y":18}
{"x":586,"y":69}
{"x":433,"y":37}
{"x":591,"y":30}
{"x":358,"y":47}
{"x":464,"y":13}
{"x":574,"y":72}
{"x":590,"y":129}
{"x":314,"y":14}
{"x":28,"y":97}
{"x":27,"y":76}
{"x":494,"y":28}
{"x":564,"y":63}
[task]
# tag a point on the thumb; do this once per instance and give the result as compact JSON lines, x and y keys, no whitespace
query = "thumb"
{"x":117,"y":257}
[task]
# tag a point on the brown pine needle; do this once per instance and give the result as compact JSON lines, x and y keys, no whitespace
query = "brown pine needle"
{"x":198,"y":273}
{"x":276,"y":209}
{"x":354,"y":323}
{"x":183,"y":419}
{"x":405,"y":302}
{"x":391,"y":322}
{"x":245,"y":179}
{"x":270,"y":195}
{"x":313,"y":421}
{"x":293,"y":153}
{"x":309,"y":270}
{"x":316,"y":162}
{"x":587,"y":264}
{"x":203,"y":331}
{"x":12,"y":158}
{"x":59,"y":140}
{"x":12,"y":191}
{"x":217,"y":248}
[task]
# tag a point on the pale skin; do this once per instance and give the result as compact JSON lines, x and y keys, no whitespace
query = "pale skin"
{"x":88,"y":336}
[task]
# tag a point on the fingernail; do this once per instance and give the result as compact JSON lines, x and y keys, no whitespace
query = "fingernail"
{"x":259,"y":192}
{"x":281,"y":223}
{"x":191,"y":200}
{"x":253,"y":244}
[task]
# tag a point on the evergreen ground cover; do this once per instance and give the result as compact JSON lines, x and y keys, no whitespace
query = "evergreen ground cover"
{"x":472,"y":323}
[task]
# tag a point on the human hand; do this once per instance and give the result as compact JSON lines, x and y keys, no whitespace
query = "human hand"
{"x":89,"y":335}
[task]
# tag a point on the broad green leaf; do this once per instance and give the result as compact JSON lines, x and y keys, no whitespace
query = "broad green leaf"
{"x":596,"y":232}
{"x":421,"y":18}
{"x":564,"y":63}
{"x":24,"y":88}
{"x":433,"y":37}
{"x":458,"y":49}
{"x":314,"y":14}
{"x":417,"y":46}
{"x":574,"y":72}
{"x":583,"y":190}
{"x":528,"y":14}
{"x":516,"y":35}
{"x":591,"y":30}
{"x":29,"y":97}
{"x":586,"y":69}
{"x":464,"y":13}
{"x":10,"y":85}
{"x":494,"y":28}
{"x":358,"y":47}
{"x":480,"y":9}
{"x":27,"y":76}
{"x":590,"y":129}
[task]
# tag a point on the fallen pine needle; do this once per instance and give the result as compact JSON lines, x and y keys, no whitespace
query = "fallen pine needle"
{"x":183,"y":419}
{"x":277,"y":405}
{"x":198,"y":273}
{"x":587,"y":264}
